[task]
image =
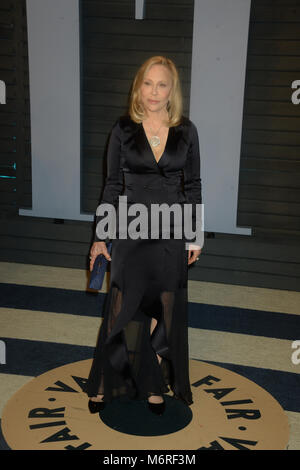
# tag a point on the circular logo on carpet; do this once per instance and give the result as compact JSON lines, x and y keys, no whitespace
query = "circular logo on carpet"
{"x":229,"y":412}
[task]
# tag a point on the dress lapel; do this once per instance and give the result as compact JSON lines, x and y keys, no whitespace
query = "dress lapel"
{"x":172,"y":145}
{"x":144,"y":146}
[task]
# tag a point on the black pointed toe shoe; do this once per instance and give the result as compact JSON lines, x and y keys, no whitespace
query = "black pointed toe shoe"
{"x":96,"y":406}
{"x":157,"y":408}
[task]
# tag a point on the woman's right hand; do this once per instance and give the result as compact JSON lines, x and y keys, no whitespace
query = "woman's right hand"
{"x":98,"y":248}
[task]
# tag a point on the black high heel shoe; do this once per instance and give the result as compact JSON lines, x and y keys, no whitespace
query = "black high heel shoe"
{"x":96,"y":406}
{"x":157,"y":408}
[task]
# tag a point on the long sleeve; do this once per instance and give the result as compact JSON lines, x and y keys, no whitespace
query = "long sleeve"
{"x":114,"y":180}
{"x":192,"y":179}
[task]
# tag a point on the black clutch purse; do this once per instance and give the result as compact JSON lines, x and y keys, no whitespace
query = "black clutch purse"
{"x":99,"y":269}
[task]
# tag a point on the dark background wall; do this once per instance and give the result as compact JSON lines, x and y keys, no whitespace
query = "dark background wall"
{"x":113,"y":46}
{"x":269,"y":196}
{"x":14,"y":115}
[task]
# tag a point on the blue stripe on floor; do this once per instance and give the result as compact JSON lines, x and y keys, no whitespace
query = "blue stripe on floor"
{"x":32,"y":358}
{"x":50,"y":299}
{"x":244,"y":321}
{"x":3,"y":443}
{"x":211,"y":317}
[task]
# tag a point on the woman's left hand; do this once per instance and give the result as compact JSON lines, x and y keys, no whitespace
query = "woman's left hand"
{"x":193,"y":255}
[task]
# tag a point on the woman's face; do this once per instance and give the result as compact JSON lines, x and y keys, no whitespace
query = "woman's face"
{"x":156,"y":88}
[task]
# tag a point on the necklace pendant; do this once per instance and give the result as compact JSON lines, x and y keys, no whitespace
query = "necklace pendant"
{"x":154,"y":141}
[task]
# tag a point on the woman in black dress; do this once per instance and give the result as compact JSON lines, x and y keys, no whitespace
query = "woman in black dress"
{"x":153,"y":158}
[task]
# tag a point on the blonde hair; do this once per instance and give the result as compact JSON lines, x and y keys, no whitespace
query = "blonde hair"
{"x":174,"y":107}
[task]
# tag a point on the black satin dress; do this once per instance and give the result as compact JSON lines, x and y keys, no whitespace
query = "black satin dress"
{"x":148,"y":277}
